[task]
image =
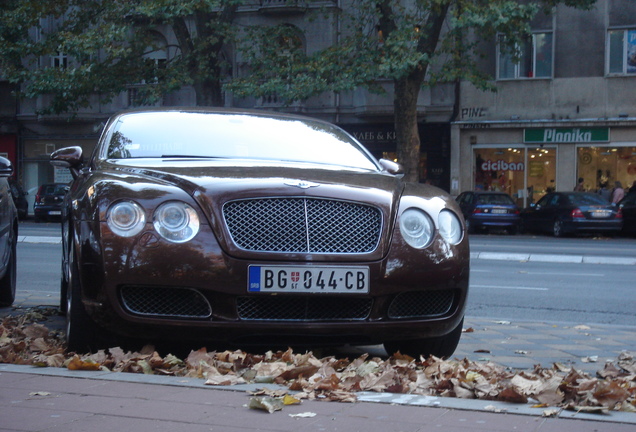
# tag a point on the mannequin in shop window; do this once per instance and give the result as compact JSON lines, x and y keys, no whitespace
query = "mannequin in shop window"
{"x":605,"y":192}
{"x":618,"y":193}
{"x":579,"y":186}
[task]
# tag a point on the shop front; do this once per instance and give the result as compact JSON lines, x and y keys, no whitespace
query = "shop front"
{"x":528,"y":162}
{"x":434,"y":162}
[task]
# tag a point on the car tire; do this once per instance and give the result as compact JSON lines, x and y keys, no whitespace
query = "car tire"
{"x":82,"y":334}
{"x":557,"y":228}
{"x":441,"y":346}
{"x":8,"y":281}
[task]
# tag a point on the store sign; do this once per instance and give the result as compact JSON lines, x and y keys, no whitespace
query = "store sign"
{"x":501,"y":165}
{"x":565,"y":135}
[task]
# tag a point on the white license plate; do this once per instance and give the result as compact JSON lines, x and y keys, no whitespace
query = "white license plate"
{"x":499,"y":211}
{"x":55,"y":213}
{"x":315,"y":279}
{"x":600,"y":214}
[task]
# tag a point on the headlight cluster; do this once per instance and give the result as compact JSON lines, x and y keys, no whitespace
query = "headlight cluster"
{"x":175,"y":221}
{"x":418,"y":228}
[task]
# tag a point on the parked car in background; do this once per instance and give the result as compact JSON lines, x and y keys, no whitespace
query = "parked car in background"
{"x":249,"y":227}
{"x":628,"y":208}
{"x":48,"y":201}
{"x":485,"y":210}
{"x":19,"y":198}
{"x":8,"y":236}
{"x":562,"y":213}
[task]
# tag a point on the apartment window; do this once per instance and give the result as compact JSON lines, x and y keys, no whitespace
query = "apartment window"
{"x":60,"y":60}
{"x":621,"y":51}
{"x":535,"y":60}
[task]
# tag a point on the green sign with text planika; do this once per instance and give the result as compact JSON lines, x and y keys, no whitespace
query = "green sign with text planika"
{"x":566,"y":135}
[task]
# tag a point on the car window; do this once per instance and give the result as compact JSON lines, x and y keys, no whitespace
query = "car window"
{"x":586,"y":199}
{"x":496,"y":199}
{"x":544,"y":201}
{"x":165,"y":134}
{"x":556,"y":199}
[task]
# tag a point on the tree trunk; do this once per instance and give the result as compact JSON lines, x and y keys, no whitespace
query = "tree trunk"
{"x":407,"y":90}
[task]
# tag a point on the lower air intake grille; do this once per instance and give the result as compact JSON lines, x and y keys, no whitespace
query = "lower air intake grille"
{"x":165,"y":302}
{"x":421,"y":304}
{"x":296,"y":308}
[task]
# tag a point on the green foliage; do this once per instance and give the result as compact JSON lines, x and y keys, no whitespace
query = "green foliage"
{"x":108,"y":46}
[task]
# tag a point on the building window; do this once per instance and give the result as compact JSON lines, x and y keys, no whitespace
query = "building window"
{"x":621,"y":52}
{"x":535,"y":59}
{"x":60,"y":60}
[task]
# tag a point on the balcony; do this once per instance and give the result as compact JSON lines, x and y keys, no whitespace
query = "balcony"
{"x":286,"y":7}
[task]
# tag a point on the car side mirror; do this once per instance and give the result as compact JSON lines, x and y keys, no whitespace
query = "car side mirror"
{"x":68,"y":157}
{"x":391,"y":167}
{"x":6,"y":168}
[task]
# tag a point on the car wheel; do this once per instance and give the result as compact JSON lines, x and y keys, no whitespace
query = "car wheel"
{"x":8,"y":281}
{"x":81,"y":331}
{"x":557,"y":228}
{"x":442,"y":346}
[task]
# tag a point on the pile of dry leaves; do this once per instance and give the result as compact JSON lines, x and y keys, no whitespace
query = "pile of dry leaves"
{"x":23,"y":341}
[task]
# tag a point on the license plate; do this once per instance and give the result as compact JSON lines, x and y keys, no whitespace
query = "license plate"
{"x":499,"y":211}
{"x":55,"y":213}
{"x":322,"y":279}
{"x":600,"y":214}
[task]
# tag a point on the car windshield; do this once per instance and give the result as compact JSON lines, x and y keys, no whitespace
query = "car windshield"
{"x":231,"y":136}
{"x":497,"y":199}
{"x":586,"y":199}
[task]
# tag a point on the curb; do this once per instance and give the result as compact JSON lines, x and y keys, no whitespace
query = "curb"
{"x":564,"y":259}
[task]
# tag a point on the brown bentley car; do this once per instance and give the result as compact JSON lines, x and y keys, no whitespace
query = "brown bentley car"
{"x":249,"y":227}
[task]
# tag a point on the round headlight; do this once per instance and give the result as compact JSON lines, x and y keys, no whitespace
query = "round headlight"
{"x":450,"y":228}
{"x":126,"y":218}
{"x":176,"y":221}
{"x":416,"y":228}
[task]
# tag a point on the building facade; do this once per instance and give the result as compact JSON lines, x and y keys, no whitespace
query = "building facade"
{"x":566,"y":111}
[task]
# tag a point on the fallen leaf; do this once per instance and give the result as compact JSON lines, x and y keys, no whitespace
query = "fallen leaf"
{"x":266,"y":403}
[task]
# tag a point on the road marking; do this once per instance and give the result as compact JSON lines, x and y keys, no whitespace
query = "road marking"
{"x":520,"y":288}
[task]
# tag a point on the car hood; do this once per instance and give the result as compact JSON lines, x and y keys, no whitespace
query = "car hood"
{"x":213,"y":183}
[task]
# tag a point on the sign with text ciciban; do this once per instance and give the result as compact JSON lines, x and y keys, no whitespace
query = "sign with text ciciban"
{"x":566,"y":135}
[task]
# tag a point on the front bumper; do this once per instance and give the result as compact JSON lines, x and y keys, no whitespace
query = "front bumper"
{"x":413,"y":295}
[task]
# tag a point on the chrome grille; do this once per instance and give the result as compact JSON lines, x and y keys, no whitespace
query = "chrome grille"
{"x":299,"y":308}
{"x":420,"y":304}
{"x":306,"y":225}
{"x":165,"y":302}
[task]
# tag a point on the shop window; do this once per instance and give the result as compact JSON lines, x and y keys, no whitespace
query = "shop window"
{"x":621,"y":52}
{"x":600,"y":166}
{"x":534,"y":58}
{"x":526,"y":174}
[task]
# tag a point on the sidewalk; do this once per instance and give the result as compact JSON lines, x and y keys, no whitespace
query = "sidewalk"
{"x":49,"y":400}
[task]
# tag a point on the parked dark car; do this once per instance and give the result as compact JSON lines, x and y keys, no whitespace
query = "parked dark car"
{"x":628,"y":208}
{"x":8,"y":236}
{"x":485,"y":210}
{"x":562,"y":213}
{"x":255,"y":228}
{"x":48,"y":201}
{"x":19,"y":198}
